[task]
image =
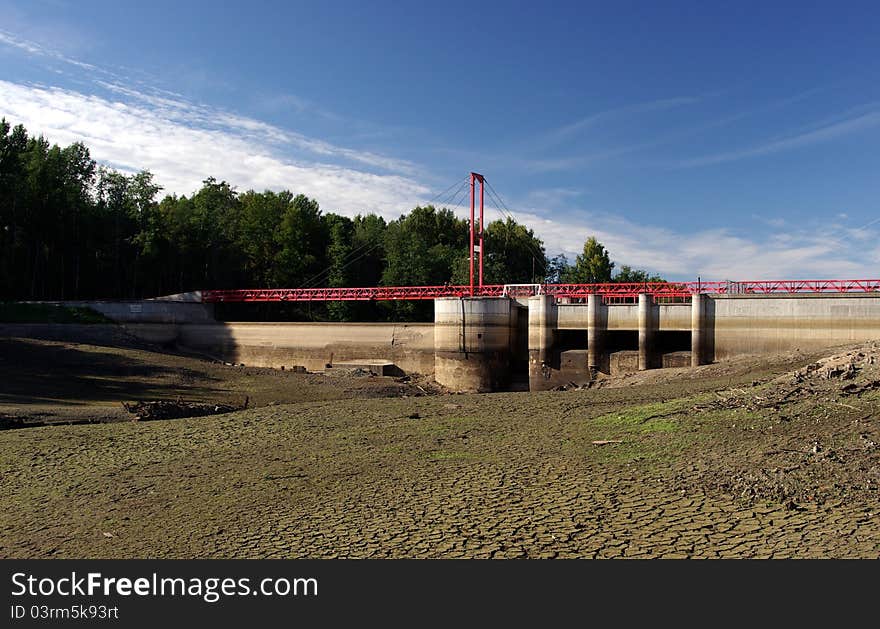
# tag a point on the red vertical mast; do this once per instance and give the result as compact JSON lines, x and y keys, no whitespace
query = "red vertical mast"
{"x":471,"y":250}
{"x":474,"y":178}
{"x":481,"y":231}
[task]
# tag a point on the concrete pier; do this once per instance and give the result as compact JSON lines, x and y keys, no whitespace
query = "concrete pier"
{"x":542,"y":330}
{"x":698,"y":330}
{"x":472,"y":343}
{"x":595,"y":333}
{"x":646,"y":331}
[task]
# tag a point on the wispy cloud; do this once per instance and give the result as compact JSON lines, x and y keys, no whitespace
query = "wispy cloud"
{"x":33,"y":48}
{"x":293,"y":102}
{"x":824,"y":133}
{"x":523,"y":157}
{"x":183,"y":143}
{"x":540,"y":165}
{"x":711,"y":253}
{"x":180,"y":110}
{"x":561,"y":164}
{"x":568,"y":131}
{"x":175,"y":107}
{"x":553,"y":197}
{"x":785,"y":252}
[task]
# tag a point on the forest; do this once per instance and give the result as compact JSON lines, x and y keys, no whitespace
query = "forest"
{"x":73,"y":229}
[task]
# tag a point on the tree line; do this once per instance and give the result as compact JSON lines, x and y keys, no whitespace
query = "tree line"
{"x":72,"y":229}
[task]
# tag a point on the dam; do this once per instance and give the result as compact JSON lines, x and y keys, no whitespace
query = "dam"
{"x":485,"y":343}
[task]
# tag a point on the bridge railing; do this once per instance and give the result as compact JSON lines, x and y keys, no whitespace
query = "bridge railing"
{"x":375,"y":293}
{"x":522,"y":290}
{"x":613,"y":292}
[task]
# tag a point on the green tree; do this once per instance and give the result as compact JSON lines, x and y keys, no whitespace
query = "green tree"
{"x":213,"y":223}
{"x":593,"y":266}
{"x":422,"y":249}
{"x":339,"y":272}
{"x":177,"y":272}
{"x":627,"y":274}
{"x":558,"y":269}
{"x":116,"y":208}
{"x":513,"y":255}
{"x":368,"y":244}
{"x":52,"y":196}
{"x":367,"y":265}
{"x":261,"y":216}
{"x":13,"y":144}
{"x":302,"y":238}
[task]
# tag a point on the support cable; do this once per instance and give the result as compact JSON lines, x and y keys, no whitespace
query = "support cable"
{"x":324,"y":274}
{"x":505,"y":211}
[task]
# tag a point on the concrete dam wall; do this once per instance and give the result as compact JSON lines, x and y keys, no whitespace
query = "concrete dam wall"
{"x":410,"y":346}
{"x":762,"y":325}
{"x":485,"y":343}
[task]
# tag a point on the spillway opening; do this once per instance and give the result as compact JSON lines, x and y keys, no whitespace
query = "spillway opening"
{"x":571,"y":339}
{"x":673,"y":341}
{"x":519,"y":351}
{"x":621,"y":341}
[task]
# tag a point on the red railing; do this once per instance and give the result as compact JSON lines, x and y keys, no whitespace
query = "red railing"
{"x":611,"y":292}
{"x":378,"y":293}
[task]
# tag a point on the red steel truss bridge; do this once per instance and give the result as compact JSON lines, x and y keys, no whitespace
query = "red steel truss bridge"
{"x":613,"y":292}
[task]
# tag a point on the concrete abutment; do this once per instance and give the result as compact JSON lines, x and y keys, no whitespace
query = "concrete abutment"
{"x":698,"y":330}
{"x":472,"y":342}
{"x":646,"y":331}
{"x":596,"y":327}
{"x":542,"y":333}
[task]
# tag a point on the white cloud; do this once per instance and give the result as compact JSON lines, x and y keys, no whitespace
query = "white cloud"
{"x":553,"y":197}
{"x":178,"y":109}
{"x":33,"y":48}
{"x":183,"y":143}
{"x":575,"y":128}
{"x":713,"y":254}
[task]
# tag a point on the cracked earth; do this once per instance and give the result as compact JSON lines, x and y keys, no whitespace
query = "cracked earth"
{"x":712,"y":462}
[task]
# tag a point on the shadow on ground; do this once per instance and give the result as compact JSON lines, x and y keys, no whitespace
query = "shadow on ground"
{"x":33,"y":372}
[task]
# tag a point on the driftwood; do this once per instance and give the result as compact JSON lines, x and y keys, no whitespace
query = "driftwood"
{"x":856,"y":389}
{"x":176,"y":409}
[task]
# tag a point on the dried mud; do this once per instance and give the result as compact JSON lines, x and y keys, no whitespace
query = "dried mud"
{"x":759,"y":457}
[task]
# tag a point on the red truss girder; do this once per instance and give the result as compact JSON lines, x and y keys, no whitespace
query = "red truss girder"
{"x":610,"y":290}
{"x":378,"y":293}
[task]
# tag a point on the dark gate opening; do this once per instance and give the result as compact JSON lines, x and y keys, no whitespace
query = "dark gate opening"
{"x":621,"y":341}
{"x":675,"y":341}
{"x":571,"y":339}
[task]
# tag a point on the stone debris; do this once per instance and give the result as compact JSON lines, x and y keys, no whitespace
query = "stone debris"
{"x":573,"y":386}
{"x":345,"y":372}
{"x":843,"y":366}
{"x":850,"y":373}
{"x":176,"y":409}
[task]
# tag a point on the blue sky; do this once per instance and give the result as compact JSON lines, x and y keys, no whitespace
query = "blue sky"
{"x":732,"y":141}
